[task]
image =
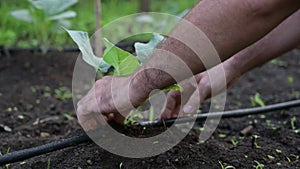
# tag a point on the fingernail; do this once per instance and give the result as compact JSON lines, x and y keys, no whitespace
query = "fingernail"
{"x":188,"y":109}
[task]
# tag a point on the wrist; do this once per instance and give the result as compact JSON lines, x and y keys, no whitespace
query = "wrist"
{"x":146,"y":80}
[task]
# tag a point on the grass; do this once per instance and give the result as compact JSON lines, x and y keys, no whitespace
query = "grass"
{"x":20,"y":34}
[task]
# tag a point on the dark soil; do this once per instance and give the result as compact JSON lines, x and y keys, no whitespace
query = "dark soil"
{"x":27,"y":87}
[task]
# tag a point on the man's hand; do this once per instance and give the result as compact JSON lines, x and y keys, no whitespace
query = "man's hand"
{"x":109,"y":97}
{"x":189,"y":95}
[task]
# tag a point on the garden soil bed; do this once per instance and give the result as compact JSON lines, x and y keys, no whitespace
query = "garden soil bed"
{"x":30,"y":108}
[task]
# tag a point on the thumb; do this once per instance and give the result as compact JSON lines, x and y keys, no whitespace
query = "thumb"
{"x":194,"y":101}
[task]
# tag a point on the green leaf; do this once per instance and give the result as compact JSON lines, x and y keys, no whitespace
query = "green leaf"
{"x":22,"y":14}
{"x":123,"y":62}
{"x":258,"y":100}
{"x":144,"y":50}
{"x":173,"y":87}
{"x":64,"y":15}
{"x":83,"y":42}
{"x":52,"y":7}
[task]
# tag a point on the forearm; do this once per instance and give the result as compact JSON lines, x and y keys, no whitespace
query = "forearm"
{"x":230,"y":26}
{"x":282,"y":39}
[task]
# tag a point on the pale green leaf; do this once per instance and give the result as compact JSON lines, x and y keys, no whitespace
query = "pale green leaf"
{"x":64,"y":15}
{"x":83,"y":42}
{"x":52,"y":7}
{"x":144,"y":50}
{"x":123,"y":62}
{"x":22,"y":14}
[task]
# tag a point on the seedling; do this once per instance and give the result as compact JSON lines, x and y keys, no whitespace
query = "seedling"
{"x":296,"y":94}
{"x":254,"y":141}
{"x":257,"y":100}
{"x":291,"y":79}
{"x":7,"y":151}
{"x":278,"y":151}
{"x":293,"y":123}
{"x":221,"y":135}
{"x":279,"y":62}
{"x":223,"y":166}
{"x":68,"y":116}
{"x":62,"y":93}
{"x":259,"y":165}
{"x":45,"y":17}
{"x":21,"y":117}
{"x":199,"y":111}
{"x":121,"y":165}
{"x":271,"y":157}
{"x":234,"y":142}
{"x":155,"y":142}
{"x":295,"y":156}
{"x":33,"y":89}
{"x":49,"y":163}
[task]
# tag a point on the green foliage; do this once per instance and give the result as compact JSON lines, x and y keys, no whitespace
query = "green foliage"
{"x":254,"y":141}
{"x":45,"y":17}
{"x":291,"y":79}
{"x":257,"y":100}
{"x":259,"y":165}
{"x":63,"y":93}
{"x":234,"y":142}
{"x":68,"y":116}
{"x":223,"y":166}
{"x":82,"y":40}
{"x":124,"y":63}
{"x":144,"y":50}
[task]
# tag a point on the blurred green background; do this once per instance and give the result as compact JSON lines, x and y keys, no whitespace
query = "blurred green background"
{"x":17,"y":33}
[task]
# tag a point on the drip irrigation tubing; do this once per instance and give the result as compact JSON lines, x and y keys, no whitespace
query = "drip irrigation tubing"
{"x":24,"y":154}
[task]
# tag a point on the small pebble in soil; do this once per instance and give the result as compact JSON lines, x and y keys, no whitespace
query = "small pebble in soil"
{"x":89,"y":162}
{"x":45,"y":134}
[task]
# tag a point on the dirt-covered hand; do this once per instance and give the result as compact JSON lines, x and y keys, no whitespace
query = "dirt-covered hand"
{"x":191,"y":97}
{"x":109,"y":99}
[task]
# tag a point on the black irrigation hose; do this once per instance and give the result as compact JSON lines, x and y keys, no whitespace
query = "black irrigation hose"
{"x":73,"y":141}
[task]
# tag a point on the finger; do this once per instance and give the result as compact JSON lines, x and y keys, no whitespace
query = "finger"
{"x":173,"y":99}
{"x":117,"y":117}
{"x":194,"y":101}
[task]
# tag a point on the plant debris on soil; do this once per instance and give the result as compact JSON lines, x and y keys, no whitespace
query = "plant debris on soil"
{"x":36,"y":108}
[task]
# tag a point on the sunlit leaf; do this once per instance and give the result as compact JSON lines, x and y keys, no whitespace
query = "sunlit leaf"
{"x":52,"y":7}
{"x":123,"y":62}
{"x":144,"y":50}
{"x":82,"y":40}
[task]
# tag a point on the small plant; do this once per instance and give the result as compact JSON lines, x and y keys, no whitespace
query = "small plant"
{"x":271,"y":157}
{"x":7,"y":151}
{"x":296,"y":94}
{"x":21,"y":117}
{"x":221,"y":135}
{"x":257,"y":100}
{"x":234,"y":142}
{"x":291,"y":79}
{"x":259,"y":165}
{"x":49,"y":163}
{"x":121,"y":165}
{"x":223,"y":166}
{"x":254,"y":141}
{"x":278,"y":151}
{"x":293,"y":123}
{"x":68,"y":116}
{"x":46,"y":17}
{"x":63,"y":93}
